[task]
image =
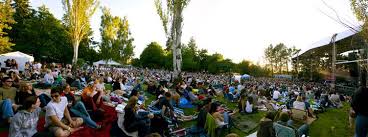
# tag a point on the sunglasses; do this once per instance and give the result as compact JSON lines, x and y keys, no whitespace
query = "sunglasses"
{"x":55,"y":96}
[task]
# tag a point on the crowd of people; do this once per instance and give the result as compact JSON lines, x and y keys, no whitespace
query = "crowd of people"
{"x":71,"y":99}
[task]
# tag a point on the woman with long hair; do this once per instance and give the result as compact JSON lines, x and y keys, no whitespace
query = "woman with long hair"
{"x":133,"y":122}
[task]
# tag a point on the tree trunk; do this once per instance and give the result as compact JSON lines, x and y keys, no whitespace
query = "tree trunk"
{"x":75,"y":52}
{"x":177,"y":23}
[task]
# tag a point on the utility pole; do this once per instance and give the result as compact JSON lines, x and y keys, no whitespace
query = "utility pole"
{"x":333,"y":41}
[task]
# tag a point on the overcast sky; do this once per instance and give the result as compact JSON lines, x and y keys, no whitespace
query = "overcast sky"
{"x":238,"y":29}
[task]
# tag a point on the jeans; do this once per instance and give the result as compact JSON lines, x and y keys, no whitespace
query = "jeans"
{"x":361,"y":125}
{"x":79,"y":110}
{"x":302,"y":130}
{"x":6,"y":109}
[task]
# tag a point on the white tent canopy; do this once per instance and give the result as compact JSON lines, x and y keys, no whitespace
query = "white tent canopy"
{"x":20,"y":57}
{"x":103,"y":62}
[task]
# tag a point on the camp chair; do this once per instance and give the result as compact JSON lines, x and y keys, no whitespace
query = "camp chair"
{"x":121,"y":126}
{"x":210,"y":125}
{"x":299,"y":115}
{"x":212,"y":128}
{"x":284,"y":131}
{"x":269,"y":107}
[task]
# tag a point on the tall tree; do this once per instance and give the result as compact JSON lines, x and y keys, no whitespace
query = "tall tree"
{"x":117,"y":42}
{"x":172,"y":18}
{"x":360,"y":9}
{"x":270,"y":56}
{"x":152,"y":56}
{"x":77,"y":16}
{"x":22,"y":30}
{"x":6,"y":20}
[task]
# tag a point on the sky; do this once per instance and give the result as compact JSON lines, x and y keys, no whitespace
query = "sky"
{"x":238,"y":29}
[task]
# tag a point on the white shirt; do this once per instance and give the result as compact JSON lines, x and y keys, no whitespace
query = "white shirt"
{"x":299,"y":105}
{"x":55,"y":109}
{"x":49,"y":78}
{"x":240,"y":87}
{"x":100,"y":86}
{"x":248,"y":107}
{"x":276,"y":94}
{"x":109,"y":79}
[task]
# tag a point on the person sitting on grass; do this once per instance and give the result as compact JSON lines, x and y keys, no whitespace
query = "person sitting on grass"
{"x":299,"y":104}
{"x":24,"y":123}
{"x":266,"y":126}
{"x":242,"y":102}
{"x":249,"y":108}
{"x":285,"y":120}
{"x":7,"y":99}
{"x":221,"y":116}
{"x":58,"y":119}
{"x":78,"y":108}
{"x":91,"y":97}
{"x":133,"y":122}
{"x":48,"y":79}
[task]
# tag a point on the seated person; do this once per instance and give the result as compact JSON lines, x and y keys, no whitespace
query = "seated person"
{"x":91,"y":97}
{"x":335,"y":100}
{"x":136,"y":94}
{"x":201,"y":120}
{"x":285,"y":120}
{"x":266,"y":126}
{"x":78,"y":108}
{"x":242,"y":102}
{"x":249,"y":105}
{"x":308,"y":107}
{"x":299,"y":103}
{"x":133,"y":122}
{"x":7,"y":99}
{"x":163,"y":104}
{"x":24,"y":123}
{"x":58,"y":119}
{"x":48,"y":79}
{"x":26,"y":90}
{"x":221,"y":117}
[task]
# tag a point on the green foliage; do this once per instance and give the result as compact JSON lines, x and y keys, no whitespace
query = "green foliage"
{"x":80,"y":63}
{"x":39,"y":33}
{"x":136,"y":62}
{"x":116,"y":38}
{"x":152,"y":56}
{"x":6,"y":20}
{"x":279,"y":57}
{"x":196,"y":60}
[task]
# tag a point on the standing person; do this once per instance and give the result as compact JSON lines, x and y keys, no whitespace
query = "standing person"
{"x":358,"y":104}
{"x":24,"y":123}
{"x":58,"y":119}
{"x":7,"y":99}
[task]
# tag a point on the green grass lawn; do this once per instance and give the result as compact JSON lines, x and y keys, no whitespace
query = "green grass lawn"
{"x":333,"y":123}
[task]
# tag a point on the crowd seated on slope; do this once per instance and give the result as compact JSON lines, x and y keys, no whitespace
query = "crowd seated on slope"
{"x":71,"y":99}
